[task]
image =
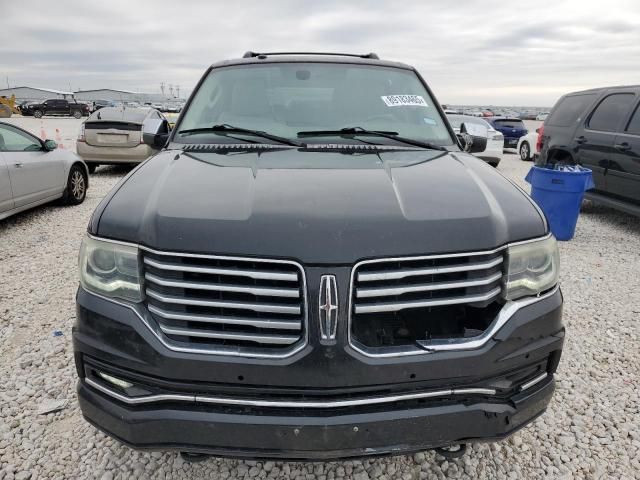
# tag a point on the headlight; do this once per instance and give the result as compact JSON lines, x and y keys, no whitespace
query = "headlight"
{"x":110,"y":269}
{"x":532,"y":268}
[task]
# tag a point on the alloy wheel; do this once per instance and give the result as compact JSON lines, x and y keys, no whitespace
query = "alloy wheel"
{"x":77,"y":185}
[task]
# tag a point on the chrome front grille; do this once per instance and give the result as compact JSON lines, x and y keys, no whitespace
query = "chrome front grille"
{"x":392,"y":285}
{"x":226,"y":304}
{"x":408,"y":301}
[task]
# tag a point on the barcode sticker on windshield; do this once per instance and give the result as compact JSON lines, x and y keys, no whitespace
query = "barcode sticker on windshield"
{"x":404,"y":101}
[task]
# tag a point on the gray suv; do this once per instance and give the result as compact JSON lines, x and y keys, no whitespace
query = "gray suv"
{"x":312,"y":267}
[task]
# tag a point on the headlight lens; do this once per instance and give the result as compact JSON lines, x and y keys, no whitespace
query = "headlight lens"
{"x":532,"y":268}
{"x":110,"y":269}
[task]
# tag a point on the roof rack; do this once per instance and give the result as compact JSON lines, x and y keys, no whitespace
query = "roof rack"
{"x":250,"y":54}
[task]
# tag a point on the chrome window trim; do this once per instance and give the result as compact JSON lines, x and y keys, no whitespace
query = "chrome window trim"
{"x":508,"y":310}
{"x":139,"y":310}
{"x":247,"y":402}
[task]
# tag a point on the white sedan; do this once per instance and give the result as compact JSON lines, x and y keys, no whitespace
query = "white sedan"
{"x":495,"y":140}
{"x":33,"y":172}
{"x":527,"y":146}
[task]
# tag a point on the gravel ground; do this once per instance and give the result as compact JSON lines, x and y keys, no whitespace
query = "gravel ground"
{"x":591,"y":430}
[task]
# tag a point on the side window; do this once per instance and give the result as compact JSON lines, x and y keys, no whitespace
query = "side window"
{"x":12,"y":140}
{"x":634,"y":123}
{"x":610,"y":112}
{"x":569,"y":109}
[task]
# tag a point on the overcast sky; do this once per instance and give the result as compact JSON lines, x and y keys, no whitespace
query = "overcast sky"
{"x":470,"y":52}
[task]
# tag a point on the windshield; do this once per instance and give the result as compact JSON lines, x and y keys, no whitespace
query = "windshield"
{"x":286,"y":98}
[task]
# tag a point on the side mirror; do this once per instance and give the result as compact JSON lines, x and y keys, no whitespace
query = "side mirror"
{"x":473,"y":137}
{"x":49,"y":145}
{"x":155,"y":132}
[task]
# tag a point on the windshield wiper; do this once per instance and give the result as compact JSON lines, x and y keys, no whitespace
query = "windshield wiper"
{"x":226,"y":128}
{"x":351,"y":131}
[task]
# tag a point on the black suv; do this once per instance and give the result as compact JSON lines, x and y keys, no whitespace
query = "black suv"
{"x":599,"y":129}
{"x":313,"y":268}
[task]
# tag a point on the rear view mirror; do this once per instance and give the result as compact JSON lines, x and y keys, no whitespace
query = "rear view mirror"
{"x":473,"y":137}
{"x":155,"y":132}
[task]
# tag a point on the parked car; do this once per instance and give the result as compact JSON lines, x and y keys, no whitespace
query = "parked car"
{"x":495,"y":141}
{"x":114,"y":136}
{"x":23,"y":107}
{"x":599,"y":129}
{"x":34,"y":172}
{"x":511,"y":128}
{"x":528,"y":115}
{"x":58,"y":107}
{"x":528,"y":146}
{"x":98,"y":104}
{"x":316,"y":274}
{"x":174,"y":108}
{"x":542,"y":116}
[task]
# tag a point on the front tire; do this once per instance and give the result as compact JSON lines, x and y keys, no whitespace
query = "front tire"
{"x":77,"y":114}
{"x":77,"y":183}
{"x":525,"y":152}
{"x":37,"y":113}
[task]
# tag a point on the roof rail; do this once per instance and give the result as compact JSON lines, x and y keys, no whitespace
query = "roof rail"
{"x":266,"y":54}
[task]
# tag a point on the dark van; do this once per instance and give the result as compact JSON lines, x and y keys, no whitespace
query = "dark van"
{"x":599,"y":129}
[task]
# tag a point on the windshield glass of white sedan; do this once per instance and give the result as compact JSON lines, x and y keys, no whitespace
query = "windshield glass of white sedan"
{"x":286,"y":98}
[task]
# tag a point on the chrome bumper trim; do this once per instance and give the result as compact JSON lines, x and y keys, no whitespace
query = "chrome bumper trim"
{"x":247,"y":402}
{"x":533,"y":382}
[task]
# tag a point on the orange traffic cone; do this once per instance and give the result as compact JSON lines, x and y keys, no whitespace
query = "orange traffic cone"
{"x":59,"y":139}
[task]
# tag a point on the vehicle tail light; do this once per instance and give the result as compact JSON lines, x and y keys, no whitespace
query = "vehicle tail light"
{"x":539,"y":141}
{"x":81,"y":134}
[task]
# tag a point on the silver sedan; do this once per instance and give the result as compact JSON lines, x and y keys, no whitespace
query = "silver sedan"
{"x":33,"y":172}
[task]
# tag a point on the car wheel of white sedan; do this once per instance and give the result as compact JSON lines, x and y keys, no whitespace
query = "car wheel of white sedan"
{"x":525,"y":152}
{"x":76,"y":186}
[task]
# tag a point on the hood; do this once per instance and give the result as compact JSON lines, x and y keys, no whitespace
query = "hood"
{"x":322,"y":207}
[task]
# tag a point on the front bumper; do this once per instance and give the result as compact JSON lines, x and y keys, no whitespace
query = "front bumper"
{"x":109,"y":337}
{"x":316,"y":437}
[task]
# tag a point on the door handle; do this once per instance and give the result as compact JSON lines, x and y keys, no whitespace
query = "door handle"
{"x":581,"y":139}
{"x":17,"y":165}
{"x":623,"y":147}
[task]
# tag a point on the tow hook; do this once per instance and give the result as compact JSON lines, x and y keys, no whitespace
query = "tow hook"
{"x":194,"y":457}
{"x":452,"y":451}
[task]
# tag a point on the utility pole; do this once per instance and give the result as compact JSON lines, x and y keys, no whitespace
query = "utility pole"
{"x":178,"y":91}
{"x":171,"y":90}
{"x":162,"y":88}
{"x":8,"y":82}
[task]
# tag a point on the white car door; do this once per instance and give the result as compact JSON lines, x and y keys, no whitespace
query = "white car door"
{"x":6,"y":194}
{"x":35,"y":173}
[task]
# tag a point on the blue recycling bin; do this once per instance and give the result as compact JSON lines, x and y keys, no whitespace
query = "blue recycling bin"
{"x":559,"y":193}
